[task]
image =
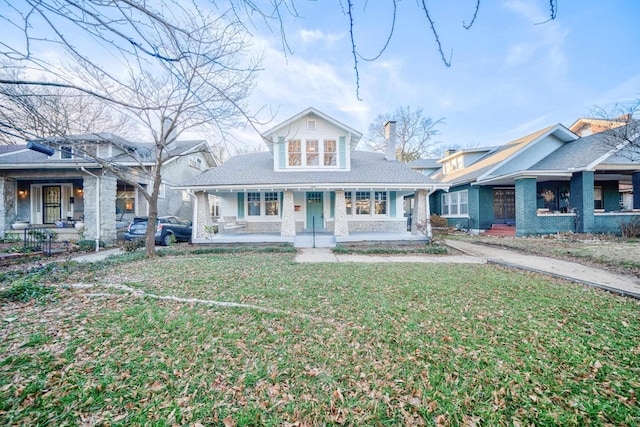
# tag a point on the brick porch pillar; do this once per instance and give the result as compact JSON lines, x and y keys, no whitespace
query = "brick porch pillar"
{"x":341,"y":225}
{"x":635,"y":180}
{"x":582,"y":198}
{"x":288,"y":228}
{"x":526,"y":207}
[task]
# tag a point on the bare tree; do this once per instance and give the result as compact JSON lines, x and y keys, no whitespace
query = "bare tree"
{"x":30,"y":112}
{"x":414,"y":134}
{"x":184,"y":74}
{"x":620,"y":128}
{"x":123,"y":25}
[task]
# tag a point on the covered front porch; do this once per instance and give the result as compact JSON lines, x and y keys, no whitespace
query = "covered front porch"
{"x":311,"y":240}
{"x":299,"y":217}
{"x":580,"y":202}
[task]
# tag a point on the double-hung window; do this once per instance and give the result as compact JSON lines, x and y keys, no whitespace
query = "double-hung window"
{"x":330,"y":152}
{"x":253,"y":204}
{"x":363,"y":203}
{"x":313,"y":153}
{"x":456,"y":203}
{"x":271,"y":206}
{"x":348,"y":201}
{"x":381,"y":202}
{"x":295,"y":152}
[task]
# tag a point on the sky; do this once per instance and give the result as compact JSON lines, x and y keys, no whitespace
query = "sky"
{"x":510,"y":74}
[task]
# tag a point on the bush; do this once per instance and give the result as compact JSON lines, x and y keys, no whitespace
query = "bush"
{"x":88,"y":245}
{"x":630,"y":228}
{"x":438,"y":221}
{"x":133,"y":245}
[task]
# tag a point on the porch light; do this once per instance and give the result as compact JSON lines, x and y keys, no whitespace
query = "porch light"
{"x":79,"y":190}
{"x":22,"y":193}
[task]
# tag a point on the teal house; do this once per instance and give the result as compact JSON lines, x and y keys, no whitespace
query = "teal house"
{"x":553,"y":180}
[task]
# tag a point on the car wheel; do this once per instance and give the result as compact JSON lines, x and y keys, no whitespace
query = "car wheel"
{"x":167,"y":240}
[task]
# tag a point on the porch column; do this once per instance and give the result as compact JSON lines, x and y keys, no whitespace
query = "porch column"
{"x":100,"y":192}
{"x":581,"y":198}
{"x":526,"y":206}
{"x":288,"y":228}
{"x":8,"y":204}
{"x":341,"y":223}
{"x":635,"y":180}
{"x":420,"y":218}
{"x":202,"y":216}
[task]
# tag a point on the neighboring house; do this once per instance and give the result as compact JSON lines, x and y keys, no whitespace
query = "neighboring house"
{"x":67,"y":187}
{"x":312,"y":178}
{"x":425,"y":166}
{"x":547,"y":182}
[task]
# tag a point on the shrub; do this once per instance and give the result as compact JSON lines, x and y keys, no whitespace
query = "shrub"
{"x":438,"y":221}
{"x":133,"y":245}
{"x":630,"y":228}
{"x":88,"y":245}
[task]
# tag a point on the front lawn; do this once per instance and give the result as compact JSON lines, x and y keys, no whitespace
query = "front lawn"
{"x":317,"y":344}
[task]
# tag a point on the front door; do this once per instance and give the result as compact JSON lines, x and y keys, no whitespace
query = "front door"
{"x":504,"y":205}
{"x":51,"y":204}
{"x":315,"y":215}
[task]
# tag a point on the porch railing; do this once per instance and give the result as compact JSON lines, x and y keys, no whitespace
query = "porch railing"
{"x":37,"y":239}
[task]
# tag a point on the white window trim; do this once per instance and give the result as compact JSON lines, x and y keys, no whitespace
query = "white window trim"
{"x":447,"y":197}
{"x":321,"y":153}
{"x":263,"y":205}
{"x":372,"y":204}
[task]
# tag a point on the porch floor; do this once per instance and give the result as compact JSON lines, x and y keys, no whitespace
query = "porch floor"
{"x":305,"y":240}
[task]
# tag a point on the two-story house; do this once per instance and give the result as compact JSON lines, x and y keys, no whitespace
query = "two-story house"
{"x":312,"y":179}
{"x":68,"y":186}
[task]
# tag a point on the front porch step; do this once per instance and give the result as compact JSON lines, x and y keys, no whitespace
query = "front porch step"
{"x":321,"y":241}
{"x":501,"y":230}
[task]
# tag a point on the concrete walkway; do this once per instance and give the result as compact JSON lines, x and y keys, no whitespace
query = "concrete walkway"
{"x":480,"y":254}
{"x":568,"y":270}
{"x":327,"y":255}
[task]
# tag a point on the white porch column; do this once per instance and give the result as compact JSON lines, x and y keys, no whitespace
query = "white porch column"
{"x":288,"y":228}
{"x":420,"y":219}
{"x":202,"y":216}
{"x":341,"y":223}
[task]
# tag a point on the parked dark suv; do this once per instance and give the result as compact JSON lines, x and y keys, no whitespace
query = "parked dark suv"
{"x":168,"y":228}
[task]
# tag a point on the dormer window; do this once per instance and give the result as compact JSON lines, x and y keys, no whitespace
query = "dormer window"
{"x":313,"y":155}
{"x":295,"y":152}
{"x":66,"y":152}
{"x":311,"y":124}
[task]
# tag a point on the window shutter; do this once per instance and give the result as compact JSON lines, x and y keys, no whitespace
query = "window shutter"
{"x":332,"y":197}
{"x":392,"y":204}
{"x":240,"y":205}
{"x":282,"y":153}
{"x":342,"y":152}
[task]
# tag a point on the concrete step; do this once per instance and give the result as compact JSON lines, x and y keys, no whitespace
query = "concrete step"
{"x":321,"y":241}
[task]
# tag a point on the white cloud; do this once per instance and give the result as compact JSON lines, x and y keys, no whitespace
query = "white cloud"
{"x":312,"y":36}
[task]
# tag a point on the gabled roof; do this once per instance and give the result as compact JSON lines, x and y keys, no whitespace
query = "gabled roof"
{"x":588,"y":152}
{"x":355,"y":135}
{"x":368,"y":170}
{"x":425,"y":164}
{"x":18,"y":156}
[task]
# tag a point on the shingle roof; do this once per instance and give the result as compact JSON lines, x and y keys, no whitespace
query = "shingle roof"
{"x":582,"y":152}
{"x":257,"y":169}
{"x":425,"y":163}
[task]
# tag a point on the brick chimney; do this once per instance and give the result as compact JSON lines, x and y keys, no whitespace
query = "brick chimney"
{"x":390,"y":140}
